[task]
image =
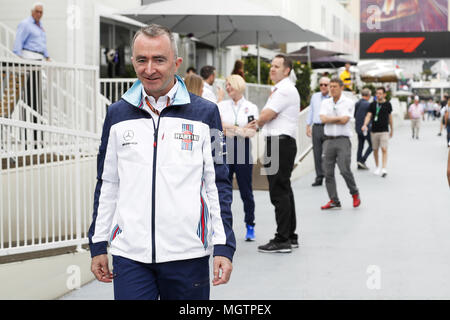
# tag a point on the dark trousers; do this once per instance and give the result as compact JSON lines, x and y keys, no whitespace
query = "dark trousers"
{"x":318,"y":137}
{"x":448,"y":132}
{"x":360,"y":157}
{"x":175,"y":280}
{"x":244,"y":179}
{"x":280,"y":190}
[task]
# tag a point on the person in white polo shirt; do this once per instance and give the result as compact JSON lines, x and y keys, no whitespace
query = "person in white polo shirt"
{"x":336,"y":114}
{"x":238,"y":117}
{"x":279,"y":119}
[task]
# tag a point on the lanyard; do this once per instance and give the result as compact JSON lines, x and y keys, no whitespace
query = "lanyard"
{"x":155,"y":111}
{"x":377,"y":112}
{"x":236,"y":112}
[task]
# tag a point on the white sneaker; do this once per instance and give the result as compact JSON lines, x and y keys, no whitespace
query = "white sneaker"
{"x":383,"y":172}
{"x":377,"y":171}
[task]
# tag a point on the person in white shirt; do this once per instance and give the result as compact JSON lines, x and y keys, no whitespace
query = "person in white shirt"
{"x":314,"y":127}
{"x":336,"y":114}
{"x":238,"y":121}
{"x":416,"y":113}
{"x":279,"y":119}
{"x":208,"y":73}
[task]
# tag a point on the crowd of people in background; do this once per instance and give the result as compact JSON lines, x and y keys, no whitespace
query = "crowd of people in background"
{"x":327,"y":125}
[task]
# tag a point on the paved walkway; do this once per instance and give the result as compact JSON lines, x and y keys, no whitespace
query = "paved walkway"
{"x":395,"y":246}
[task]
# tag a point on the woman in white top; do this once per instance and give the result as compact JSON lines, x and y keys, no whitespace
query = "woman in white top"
{"x":238,"y":121}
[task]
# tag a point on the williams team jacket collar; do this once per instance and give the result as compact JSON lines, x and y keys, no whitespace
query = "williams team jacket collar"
{"x":134,"y":94}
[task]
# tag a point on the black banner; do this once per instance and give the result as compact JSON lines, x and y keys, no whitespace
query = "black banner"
{"x":405,"y":45}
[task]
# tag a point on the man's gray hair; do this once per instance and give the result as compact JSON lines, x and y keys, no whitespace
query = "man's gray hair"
{"x":338,"y":81}
{"x":366,"y":92}
{"x":37,"y":4}
{"x":153,"y":31}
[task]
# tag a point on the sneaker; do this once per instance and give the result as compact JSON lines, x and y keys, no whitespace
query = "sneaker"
{"x":362,"y":165}
{"x":383,"y":173}
{"x":294,"y":243}
{"x":273,"y":246}
{"x":356,"y":200}
{"x":250,"y":236}
{"x":331,"y":205}
{"x":377,"y":171}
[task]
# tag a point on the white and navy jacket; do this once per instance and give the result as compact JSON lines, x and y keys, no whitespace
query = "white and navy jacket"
{"x":163,"y":192}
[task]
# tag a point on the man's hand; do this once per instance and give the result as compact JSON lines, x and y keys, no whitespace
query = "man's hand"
{"x":100,"y":269}
{"x":308,"y":131}
{"x":220,"y":94}
{"x":221,"y":264}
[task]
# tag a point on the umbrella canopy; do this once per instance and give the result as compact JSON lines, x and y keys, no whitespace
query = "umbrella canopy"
{"x":230,"y":22}
{"x":314,"y":53}
{"x":330,"y":62}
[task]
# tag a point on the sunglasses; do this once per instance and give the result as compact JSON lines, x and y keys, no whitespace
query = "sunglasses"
{"x":323,"y":85}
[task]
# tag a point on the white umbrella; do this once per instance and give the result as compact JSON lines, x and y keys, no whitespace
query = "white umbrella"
{"x":230,"y":22}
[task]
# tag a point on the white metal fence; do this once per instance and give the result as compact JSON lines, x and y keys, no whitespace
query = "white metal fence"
{"x":51,"y":116}
{"x":46,"y":187}
{"x":6,"y":41}
{"x":54,"y":94}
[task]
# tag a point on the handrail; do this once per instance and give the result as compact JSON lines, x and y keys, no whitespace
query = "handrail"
{"x":49,"y":64}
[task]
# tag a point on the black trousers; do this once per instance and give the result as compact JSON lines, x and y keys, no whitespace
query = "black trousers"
{"x":280,"y":190}
{"x":361,"y":139}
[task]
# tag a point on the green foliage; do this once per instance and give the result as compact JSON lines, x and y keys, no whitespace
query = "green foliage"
{"x":303,"y":84}
{"x":251,"y":70}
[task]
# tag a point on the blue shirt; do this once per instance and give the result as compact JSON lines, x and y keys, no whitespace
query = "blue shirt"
{"x":361,"y":109}
{"x":314,"y":108}
{"x":30,"y":36}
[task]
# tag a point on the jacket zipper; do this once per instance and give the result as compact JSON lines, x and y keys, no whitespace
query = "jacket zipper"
{"x":155,"y":151}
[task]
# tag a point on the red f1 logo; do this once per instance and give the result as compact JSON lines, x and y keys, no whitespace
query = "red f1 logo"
{"x":406,"y":45}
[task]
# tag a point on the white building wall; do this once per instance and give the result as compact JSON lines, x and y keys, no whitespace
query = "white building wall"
{"x":72,"y":26}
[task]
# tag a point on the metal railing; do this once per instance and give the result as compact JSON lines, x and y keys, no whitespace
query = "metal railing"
{"x":61,"y":95}
{"x":51,"y":117}
{"x":7,"y":36}
{"x":46,"y":188}
{"x":113,"y":89}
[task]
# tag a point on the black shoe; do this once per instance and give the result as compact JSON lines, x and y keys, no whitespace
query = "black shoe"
{"x":294,"y":243}
{"x":362,"y":165}
{"x":272,"y":246}
{"x":317,"y":183}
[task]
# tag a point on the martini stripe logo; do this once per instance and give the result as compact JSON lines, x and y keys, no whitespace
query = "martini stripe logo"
{"x":187,"y":137}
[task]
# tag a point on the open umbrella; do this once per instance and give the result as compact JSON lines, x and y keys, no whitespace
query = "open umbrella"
{"x":309,"y":54}
{"x":231,"y":22}
{"x":330,"y":62}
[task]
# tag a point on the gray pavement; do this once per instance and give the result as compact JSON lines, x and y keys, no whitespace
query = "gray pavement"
{"x":395,"y":246}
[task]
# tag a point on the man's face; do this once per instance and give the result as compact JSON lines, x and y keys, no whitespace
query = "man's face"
{"x":380,"y":95}
{"x":278,"y":71}
{"x":335,"y":89}
{"x":37,"y":13}
{"x":155,"y":64}
{"x":324,"y":86}
{"x":212,"y":78}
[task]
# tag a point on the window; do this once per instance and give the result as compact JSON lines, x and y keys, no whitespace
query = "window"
{"x":336,"y":26}
{"x":324,"y":18}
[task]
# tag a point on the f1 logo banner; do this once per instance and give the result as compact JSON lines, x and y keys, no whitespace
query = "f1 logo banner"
{"x":405,"y":45}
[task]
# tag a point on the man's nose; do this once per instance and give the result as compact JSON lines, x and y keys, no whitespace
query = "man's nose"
{"x":149,"y":67}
